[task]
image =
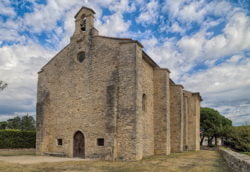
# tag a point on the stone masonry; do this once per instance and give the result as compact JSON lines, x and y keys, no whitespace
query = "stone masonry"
{"x":236,"y":161}
{"x":104,"y":97}
{"x":176,"y":117}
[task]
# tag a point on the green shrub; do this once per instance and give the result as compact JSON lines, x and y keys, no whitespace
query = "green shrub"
{"x":239,"y":139}
{"x":17,"y":139}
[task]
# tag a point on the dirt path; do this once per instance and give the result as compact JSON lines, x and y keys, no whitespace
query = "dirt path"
{"x":201,"y":161}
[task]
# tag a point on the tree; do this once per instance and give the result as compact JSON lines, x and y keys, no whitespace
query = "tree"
{"x":225,"y":129}
{"x":3,"y":125}
{"x":27,"y":123}
{"x":213,"y":125}
{"x":209,"y":123}
{"x":3,"y":85}
{"x":14,"y":123}
{"x":239,"y":139}
{"x":22,"y":123}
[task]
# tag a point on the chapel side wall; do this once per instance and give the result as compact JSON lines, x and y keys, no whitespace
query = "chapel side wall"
{"x":176,"y":118}
{"x":194,"y":123}
{"x":146,"y":87}
{"x":197,"y":144}
{"x":139,"y":112}
{"x":186,"y":110}
{"x":161,"y":112}
{"x":129,"y":132}
{"x":82,"y":98}
{"x":185,"y":124}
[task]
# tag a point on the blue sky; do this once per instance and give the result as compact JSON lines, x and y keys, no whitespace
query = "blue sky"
{"x":205,"y":44}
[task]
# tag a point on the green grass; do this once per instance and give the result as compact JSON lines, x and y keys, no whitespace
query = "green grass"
{"x":208,"y":161}
{"x":246,"y":153}
{"x":17,"y":152}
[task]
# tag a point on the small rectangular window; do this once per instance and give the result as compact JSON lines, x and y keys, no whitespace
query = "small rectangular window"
{"x":100,"y":142}
{"x":59,"y":142}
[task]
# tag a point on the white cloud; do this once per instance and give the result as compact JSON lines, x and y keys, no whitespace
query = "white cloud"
{"x":10,"y":35}
{"x":152,"y":42}
{"x":176,"y":28}
{"x":122,"y":6}
{"x":225,"y":77}
{"x":19,"y":67}
{"x":113,"y":25}
{"x":6,"y":9}
{"x":235,"y":58}
{"x":168,"y":56}
{"x":225,"y":85}
{"x":192,"y":46}
{"x":170,"y":27}
{"x":149,"y":13}
{"x":41,"y":19}
{"x":235,"y":38}
{"x":195,"y":11}
{"x":9,"y":31}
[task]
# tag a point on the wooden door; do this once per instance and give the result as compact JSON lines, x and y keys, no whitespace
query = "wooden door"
{"x":79,"y":145}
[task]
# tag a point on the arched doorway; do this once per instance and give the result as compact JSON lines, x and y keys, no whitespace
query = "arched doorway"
{"x":79,"y":145}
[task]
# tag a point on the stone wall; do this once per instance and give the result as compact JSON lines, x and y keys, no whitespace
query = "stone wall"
{"x":77,"y":95}
{"x":161,"y":112}
{"x":176,"y":117}
{"x":147,"y":86}
{"x":139,"y":132}
{"x":236,"y":161}
{"x":127,"y":109}
{"x":97,"y":97}
{"x":186,"y":111}
{"x":194,"y":122}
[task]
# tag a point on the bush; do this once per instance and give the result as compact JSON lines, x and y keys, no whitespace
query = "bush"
{"x":17,"y":139}
{"x":239,"y":139}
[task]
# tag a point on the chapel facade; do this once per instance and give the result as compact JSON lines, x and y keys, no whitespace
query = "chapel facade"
{"x":104,"y":97}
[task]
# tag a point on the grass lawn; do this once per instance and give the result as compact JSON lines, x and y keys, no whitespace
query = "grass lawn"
{"x":189,"y":161}
{"x":246,"y":153}
{"x":17,"y":152}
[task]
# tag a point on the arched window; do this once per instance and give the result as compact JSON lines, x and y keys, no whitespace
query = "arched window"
{"x":81,"y":56}
{"x":83,"y":23}
{"x":144,"y":102}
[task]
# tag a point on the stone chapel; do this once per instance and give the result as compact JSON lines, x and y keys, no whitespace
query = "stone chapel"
{"x":105,"y":98}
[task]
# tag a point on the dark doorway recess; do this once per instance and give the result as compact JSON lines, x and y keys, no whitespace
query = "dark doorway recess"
{"x":79,"y":145}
